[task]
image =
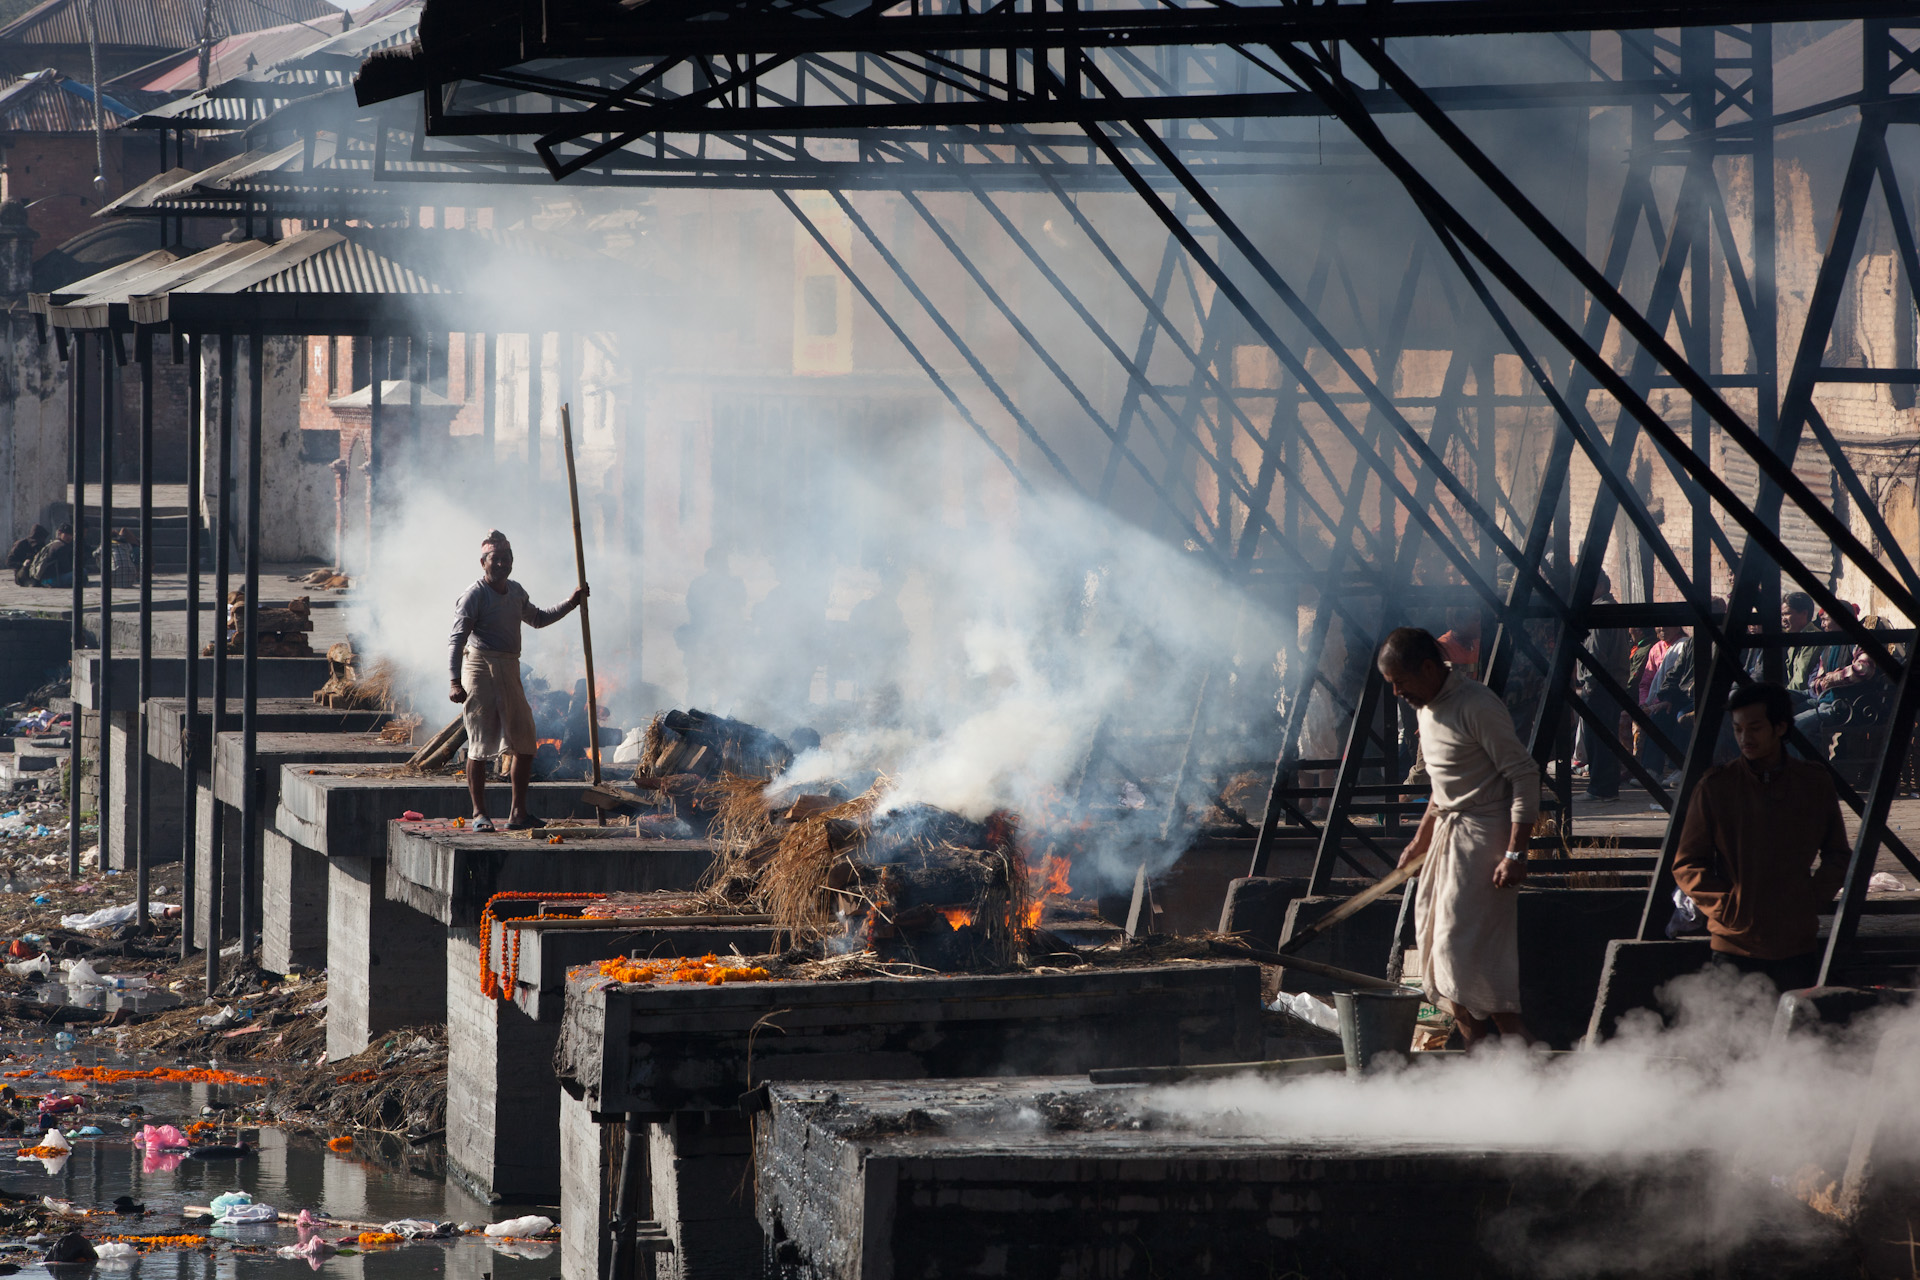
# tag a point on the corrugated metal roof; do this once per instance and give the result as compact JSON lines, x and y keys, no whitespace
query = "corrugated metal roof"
{"x":233,"y":105}
{"x":341,"y":56}
{"x":245,"y":53}
{"x":49,"y":102}
{"x":99,"y":281}
{"x":153,"y":24}
{"x":94,"y":311}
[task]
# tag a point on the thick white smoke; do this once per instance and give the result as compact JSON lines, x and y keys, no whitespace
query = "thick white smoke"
{"x":1716,"y":1093}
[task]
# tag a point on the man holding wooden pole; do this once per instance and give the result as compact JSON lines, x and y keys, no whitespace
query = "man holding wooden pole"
{"x":1471,"y":847}
{"x":485,"y":661}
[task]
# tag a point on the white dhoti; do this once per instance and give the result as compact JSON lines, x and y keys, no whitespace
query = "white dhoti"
{"x":499,"y":718}
{"x":1469,"y":931}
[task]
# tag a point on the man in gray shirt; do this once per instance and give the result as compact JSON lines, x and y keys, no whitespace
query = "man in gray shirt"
{"x":485,"y":662}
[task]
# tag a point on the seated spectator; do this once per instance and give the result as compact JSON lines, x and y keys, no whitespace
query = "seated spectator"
{"x":1837,"y":667}
{"x":1797,"y":618}
{"x":53,"y":565}
{"x":20,"y":555}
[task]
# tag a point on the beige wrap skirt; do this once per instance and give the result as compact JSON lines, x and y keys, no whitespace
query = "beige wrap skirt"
{"x":499,"y":719}
{"x":1469,"y":931}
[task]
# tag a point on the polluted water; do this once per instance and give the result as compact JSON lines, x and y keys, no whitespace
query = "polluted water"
{"x":152,"y":1141}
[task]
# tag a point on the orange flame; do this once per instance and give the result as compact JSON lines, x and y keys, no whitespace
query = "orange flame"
{"x":957,"y":918}
{"x":548,"y":742}
{"x":1050,"y":878}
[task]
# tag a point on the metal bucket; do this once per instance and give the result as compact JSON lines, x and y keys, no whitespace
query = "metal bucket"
{"x":1376,"y":1025}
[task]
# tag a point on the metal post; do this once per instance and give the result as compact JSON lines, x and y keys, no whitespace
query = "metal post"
{"x":77,"y":517}
{"x":222,"y":573}
{"x":142,"y":855}
{"x":250,"y":884}
{"x":189,"y":762}
{"x":486,"y":351}
{"x":103,"y":785}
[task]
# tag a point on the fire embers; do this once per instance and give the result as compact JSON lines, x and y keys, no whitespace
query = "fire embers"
{"x":951,"y":898}
{"x":689,"y":757}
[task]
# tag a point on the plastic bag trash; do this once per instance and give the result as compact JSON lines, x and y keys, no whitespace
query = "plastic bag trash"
{"x":522,"y":1228}
{"x":225,"y":1018}
{"x":88,"y":1131}
{"x":243,"y":1214}
{"x":64,"y":1040}
{"x":109,"y":1250}
{"x":413,"y":1228}
{"x":54,"y":1138}
{"x":411,"y":816}
{"x":24,"y":968}
{"x":1307,"y":1009}
{"x":162,"y":1137}
{"x":227,"y":1200}
{"x":81,"y":973}
{"x":631,"y":747}
{"x":111,"y":917}
{"x":1882,"y":882}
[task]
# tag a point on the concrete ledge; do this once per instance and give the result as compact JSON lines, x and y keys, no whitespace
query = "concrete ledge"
{"x":386,"y":964}
{"x":1633,"y":971}
{"x":167,"y":723}
{"x":279,"y":677}
{"x":338,"y":812}
{"x":277,"y":753}
{"x":687,"y":1048}
{"x":546,"y":954}
{"x":1257,"y":905}
{"x":448,"y":873}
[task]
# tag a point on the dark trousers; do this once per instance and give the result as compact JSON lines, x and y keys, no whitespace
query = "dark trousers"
{"x":1603,"y":765}
{"x":1794,"y":973}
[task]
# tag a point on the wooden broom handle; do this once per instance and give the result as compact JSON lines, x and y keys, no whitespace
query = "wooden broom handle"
{"x":580,"y":563}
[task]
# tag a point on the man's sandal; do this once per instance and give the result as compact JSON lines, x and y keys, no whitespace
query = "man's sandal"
{"x":527,"y":824}
{"x":484,"y":824}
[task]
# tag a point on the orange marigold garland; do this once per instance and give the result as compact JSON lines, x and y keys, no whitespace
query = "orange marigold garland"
{"x":379,"y":1237}
{"x":342,"y":1143}
{"x":43,"y":1153}
{"x":187,"y":1075}
{"x":499,"y":986}
{"x":163,"y":1242}
{"x":708,"y":969}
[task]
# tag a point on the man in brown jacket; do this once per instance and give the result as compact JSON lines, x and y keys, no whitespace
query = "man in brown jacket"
{"x":1748,"y":848}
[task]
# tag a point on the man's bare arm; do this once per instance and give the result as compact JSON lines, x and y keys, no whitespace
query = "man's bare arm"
{"x":1512,"y":871}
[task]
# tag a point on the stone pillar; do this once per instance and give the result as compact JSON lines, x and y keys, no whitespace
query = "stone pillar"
{"x":16,"y":249}
{"x":503,"y":1099}
{"x":386,"y":963}
{"x":293,"y":921}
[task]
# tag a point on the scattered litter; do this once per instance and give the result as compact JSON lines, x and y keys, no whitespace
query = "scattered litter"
{"x":1309,"y":1010}
{"x":115,"y":1251}
{"x":415,"y":1228}
{"x":1879,"y":882}
{"x":40,"y":966}
{"x":246,"y":1214}
{"x":228,"y":1200}
{"x":225,"y":1018}
{"x":111,"y":917}
{"x":411,"y":816}
{"x":521,"y":1228}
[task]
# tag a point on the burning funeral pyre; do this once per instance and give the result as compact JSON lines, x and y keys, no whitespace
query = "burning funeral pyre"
{"x":910,"y":882}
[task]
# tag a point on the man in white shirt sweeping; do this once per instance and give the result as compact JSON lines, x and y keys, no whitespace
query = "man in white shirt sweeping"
{"x":1486,"y":795}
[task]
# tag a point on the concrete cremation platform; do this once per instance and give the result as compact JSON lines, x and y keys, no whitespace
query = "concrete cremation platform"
{"x":166,"y":738}
{"x":696,"y":1051}
{"x":293,"y":924}
{"x":386,"y":963}
{"x":1060,"y":1178}
{"x":503,"y":1099}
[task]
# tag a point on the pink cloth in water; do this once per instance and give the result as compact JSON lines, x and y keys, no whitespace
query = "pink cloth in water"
{"x":161,"y":1137}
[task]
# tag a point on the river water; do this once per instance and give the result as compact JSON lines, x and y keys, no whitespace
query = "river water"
{"x":381,"y":1180}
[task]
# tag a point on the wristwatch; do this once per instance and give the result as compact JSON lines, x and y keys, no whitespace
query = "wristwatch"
{"x":1516,"y":855}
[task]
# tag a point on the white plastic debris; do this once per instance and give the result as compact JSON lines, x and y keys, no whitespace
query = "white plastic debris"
{"x":1307,"y":1009}
{"x":1879,"y":882}
{"x":631,"y":747}
{"x":522,"y":1228}
{"x":114,"y":1251}
{"x":25,"y":968}
{"x":111,"y":917}
{"x":243,"y":1214}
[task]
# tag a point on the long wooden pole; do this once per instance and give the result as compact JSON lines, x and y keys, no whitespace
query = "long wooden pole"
{"x":580,"y":562}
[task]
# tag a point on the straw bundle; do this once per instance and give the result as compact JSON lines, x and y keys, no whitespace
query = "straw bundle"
{"x":803,"y":879}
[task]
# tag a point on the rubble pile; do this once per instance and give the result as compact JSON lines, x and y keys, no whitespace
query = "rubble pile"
{"x":282,"y":632}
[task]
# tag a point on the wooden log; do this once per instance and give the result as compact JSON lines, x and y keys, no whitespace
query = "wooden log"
{"x":441,"y":746}
{"x":1372,"y":893}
